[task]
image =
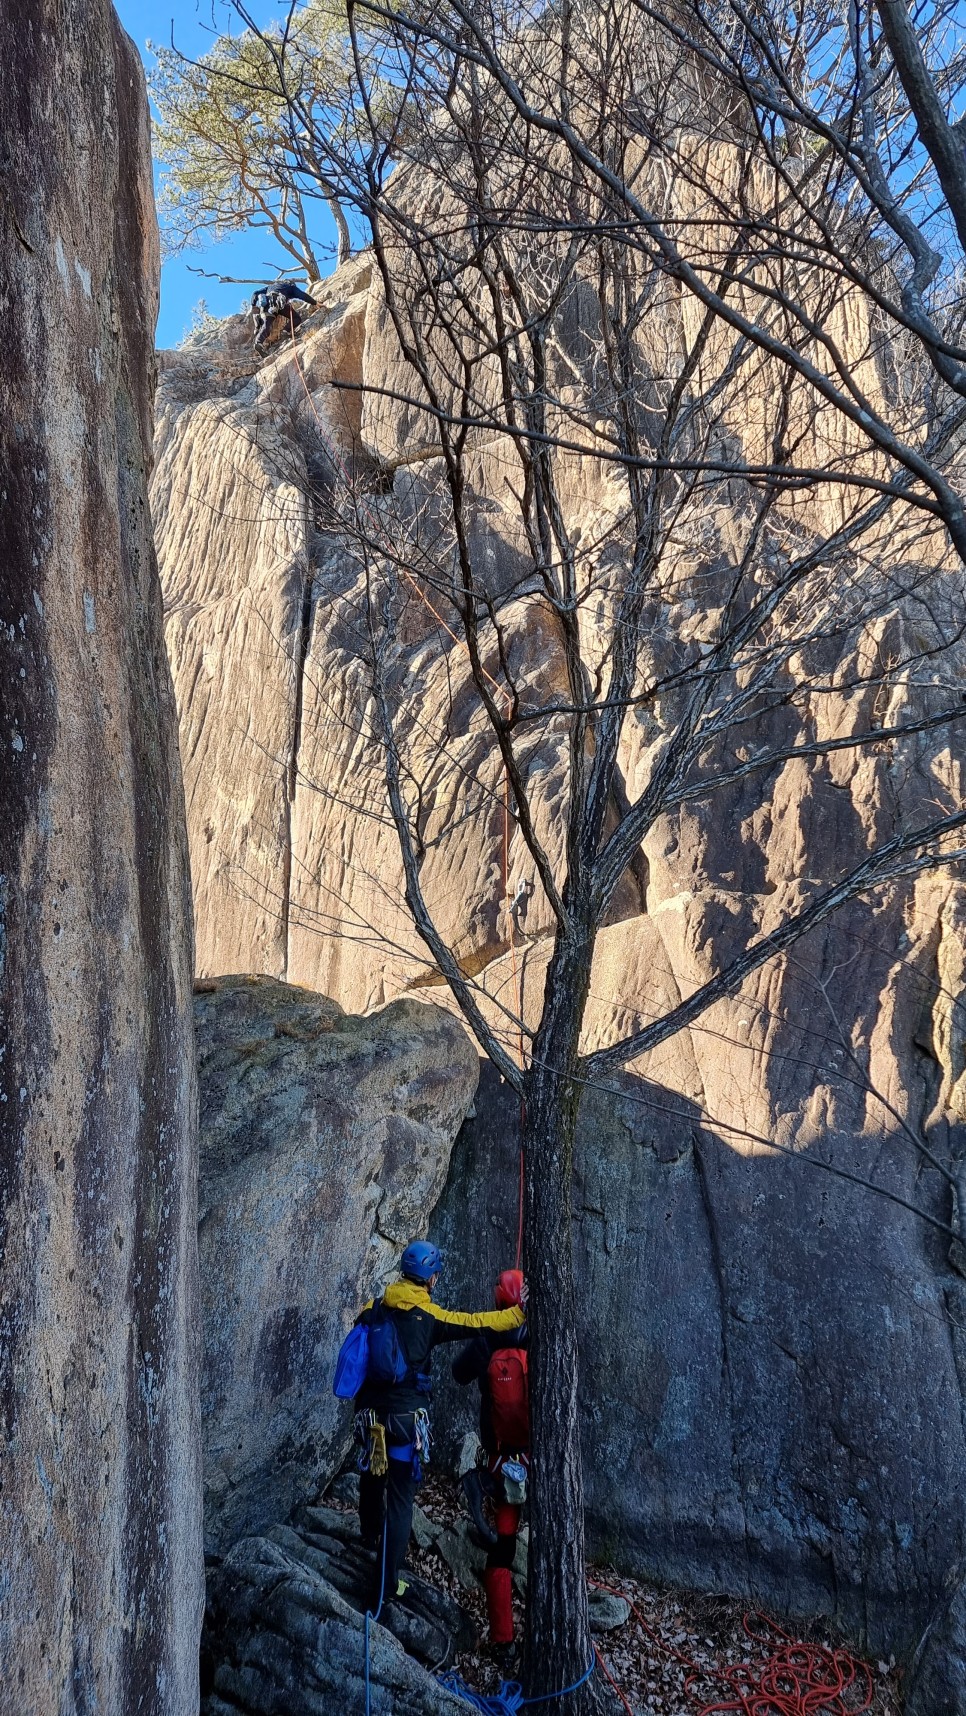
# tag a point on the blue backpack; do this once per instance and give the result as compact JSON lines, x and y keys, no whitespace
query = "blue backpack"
{"x":352,"y":1364}
{"x":371,"y":1352}
{"x":387,"y":1361}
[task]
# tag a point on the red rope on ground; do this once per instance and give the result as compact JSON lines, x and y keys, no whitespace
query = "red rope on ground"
{"x":794,"y":1679}
{"x":605,"y":1671}
{"x":519,"y":1262}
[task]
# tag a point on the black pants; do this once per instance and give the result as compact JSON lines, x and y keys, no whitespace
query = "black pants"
{"x":269,"y":319}
{"x":387,"y":1503}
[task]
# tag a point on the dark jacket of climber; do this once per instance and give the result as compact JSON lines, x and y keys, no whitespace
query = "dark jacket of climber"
{"x":275,"y":300}
{"x":499,"y":1364}
{"x":392,"y":1420}
{"x":286,"y":289}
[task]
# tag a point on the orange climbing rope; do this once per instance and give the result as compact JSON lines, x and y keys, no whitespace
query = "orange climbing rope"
{"x":501,"y":691}
{"x":605,"y":1671}
{"x":792,"y":1679}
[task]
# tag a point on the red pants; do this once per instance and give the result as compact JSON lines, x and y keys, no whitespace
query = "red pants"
{"x":498,"y":1577}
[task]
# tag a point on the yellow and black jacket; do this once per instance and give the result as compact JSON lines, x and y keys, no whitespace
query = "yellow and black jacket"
{"x":421,"y":1326}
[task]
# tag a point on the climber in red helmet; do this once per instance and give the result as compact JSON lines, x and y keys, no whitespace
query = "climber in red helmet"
{"x":498,"y":1362}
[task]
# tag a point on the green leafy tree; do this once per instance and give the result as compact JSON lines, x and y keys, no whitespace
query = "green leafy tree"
{"x":233,"y":156}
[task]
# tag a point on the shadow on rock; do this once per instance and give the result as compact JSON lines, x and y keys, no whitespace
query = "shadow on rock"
{"x":285,"y":1628}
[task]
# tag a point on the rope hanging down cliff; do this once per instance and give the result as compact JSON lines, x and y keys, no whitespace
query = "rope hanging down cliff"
{"x":338,"y":464}
{"x":795,"y":1678}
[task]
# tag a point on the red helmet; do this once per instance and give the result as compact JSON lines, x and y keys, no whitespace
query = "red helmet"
{"x":509,"y":1289}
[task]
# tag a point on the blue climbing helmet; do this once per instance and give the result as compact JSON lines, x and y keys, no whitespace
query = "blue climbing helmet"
{"x":420,"y":1260}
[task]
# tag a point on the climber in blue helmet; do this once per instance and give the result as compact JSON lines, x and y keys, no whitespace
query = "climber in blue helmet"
{"x":392,"y":1420}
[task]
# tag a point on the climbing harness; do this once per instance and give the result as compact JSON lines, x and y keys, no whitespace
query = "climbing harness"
{"x":375,"y":1452}
{"x":415,"y":1452}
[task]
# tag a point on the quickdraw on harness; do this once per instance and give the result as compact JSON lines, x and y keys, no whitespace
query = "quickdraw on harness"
{"x":371,"y":1437}
{"x":375,"y":1451}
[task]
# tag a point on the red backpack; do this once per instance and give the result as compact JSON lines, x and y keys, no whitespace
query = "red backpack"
{"x":506,"y":1378}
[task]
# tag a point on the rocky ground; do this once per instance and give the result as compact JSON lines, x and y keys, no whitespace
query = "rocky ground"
{"x":674,"y":1654}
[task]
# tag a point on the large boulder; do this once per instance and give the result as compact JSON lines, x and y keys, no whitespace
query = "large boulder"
{"x":100,"y":1508}
{"x":769,"y":1357}
{"x":325,"y":1143}
{"x":431,"y":1624}
{"x":280,"y":1640}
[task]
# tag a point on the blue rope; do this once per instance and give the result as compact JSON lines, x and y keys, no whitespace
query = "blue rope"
{"x":509,"y":1700}
{"x":506,"y":1702}
{"x":545,"y":1697}
{"x":374,"y":1617}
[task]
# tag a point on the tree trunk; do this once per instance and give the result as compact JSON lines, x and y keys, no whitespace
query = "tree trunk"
{"x":558,"y":1647}
{"x":342,"y":228}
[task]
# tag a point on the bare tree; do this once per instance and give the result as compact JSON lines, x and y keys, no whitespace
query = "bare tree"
{"x":678,"y":357}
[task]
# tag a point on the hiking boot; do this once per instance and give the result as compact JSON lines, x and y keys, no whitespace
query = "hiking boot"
{"x":475,"y":1501}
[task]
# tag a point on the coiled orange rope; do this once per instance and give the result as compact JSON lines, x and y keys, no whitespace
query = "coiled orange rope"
{"x":793,"y":1679}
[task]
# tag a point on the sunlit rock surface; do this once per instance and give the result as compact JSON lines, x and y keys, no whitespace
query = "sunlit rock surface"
{"x":848,"y":1052}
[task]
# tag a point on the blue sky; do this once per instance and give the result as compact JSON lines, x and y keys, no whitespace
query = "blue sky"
{"x":247,"y":256}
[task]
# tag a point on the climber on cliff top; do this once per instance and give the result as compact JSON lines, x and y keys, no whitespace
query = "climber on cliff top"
{"x":392,"y":1421}
{"x":272,"y":301}
{"x":499,"y":1365}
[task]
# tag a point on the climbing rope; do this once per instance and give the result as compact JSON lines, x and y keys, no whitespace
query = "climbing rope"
{"x":794,"y":1679}
{"x":605,"y":1671}
{"x":510,"y":1697}
{"x":339,"y":465}
{"x":374,"y":1617}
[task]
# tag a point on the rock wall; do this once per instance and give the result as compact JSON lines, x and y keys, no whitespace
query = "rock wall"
{"x":235,"y":536}
{"x":282,"y":1638}
{"x":100,"y":1508}
{"x":325,"y":1142}
{"x":770,"y":1357}
{"x":850,"y":1050}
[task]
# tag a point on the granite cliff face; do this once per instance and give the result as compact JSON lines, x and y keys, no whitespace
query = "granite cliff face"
{"x":822,"y":1473}
{"x":100,"y":1513}
{"x":325,"y":1143}
{"x":771,"y":1360}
